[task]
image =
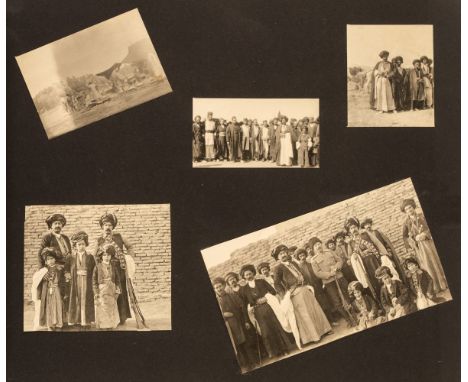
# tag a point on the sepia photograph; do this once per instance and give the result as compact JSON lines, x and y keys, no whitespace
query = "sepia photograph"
{"x":390,"y":75}
{"x":255,"y":133}
{"x":92,"y":74}
{"x":97,"y":267}
{"x":325,"y":275}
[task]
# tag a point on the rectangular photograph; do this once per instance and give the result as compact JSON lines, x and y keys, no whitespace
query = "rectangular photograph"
{"x":92,"y":74}
{"x":255,"y":133}
{"x":97,"y":267}
{"x":390,"y":75}
{"x":325,"y":275}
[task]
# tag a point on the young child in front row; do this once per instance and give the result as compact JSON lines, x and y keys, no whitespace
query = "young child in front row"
{"x":52,"y":292}
{"x":106,"y":286}
{"x":364,"y":307}
{"x":315,"y":157}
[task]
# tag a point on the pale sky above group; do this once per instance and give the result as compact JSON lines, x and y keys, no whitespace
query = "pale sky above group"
{"x":91,"y":50}
{"x":365,"y":42}
{"x":256,"y":108}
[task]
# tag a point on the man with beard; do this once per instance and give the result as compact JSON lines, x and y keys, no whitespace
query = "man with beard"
{"x":398,"y":83}
{"x":415,"y":79}
{"x":221,"y":145}
{"x":210,"y":129}
{"x":233,"y":287}
{"x":108,"y":222}
{"x":55,"y":239}
{"x":234,"y":136}
{"x":232,"y":308}
{"x":364,"y":257}
{"x":384,"y":246}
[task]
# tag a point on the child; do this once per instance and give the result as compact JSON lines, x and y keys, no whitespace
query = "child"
{"x":79,"y":268}
{"x":421,"y":285}
{"x":106,"y":286}
{"x":394,"y":295}
{"x":315,"y":159}
{"x":53,"y":290}
{"x":364,"y":306}
{"x":303,"y":143}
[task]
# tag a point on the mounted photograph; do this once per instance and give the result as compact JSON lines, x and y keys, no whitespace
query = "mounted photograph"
{"x":97,"y":267}
{"x":325,"y":275}
{"x":390,"y":75}
{"x":256,"y":133}
{"x":92,"y":74}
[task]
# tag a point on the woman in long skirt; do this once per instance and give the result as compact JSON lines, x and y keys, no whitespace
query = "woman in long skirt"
{"x":417,"y":236}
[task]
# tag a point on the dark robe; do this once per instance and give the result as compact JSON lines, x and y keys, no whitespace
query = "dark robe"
{"x":415,"y":84}
{"x":399,"y":89}
{"x":255,"y":142}
{"x":423,"y":279}
{"x":122,"y":300}
{"x":221,"y":143}
{"x":284,"y":279}
{"x":401,"y":292}
{"x":231,"y":303}
{"x":197,"y":141}
{"x":44,"y":295}
{"x":274,"y":337}
{"x":311,"y":279}
{"x":49,"y":240}
{"x":74,"y":313}
{"x":272,"y":135}
{"x":371,"y":306}
{"x":234,"y":139}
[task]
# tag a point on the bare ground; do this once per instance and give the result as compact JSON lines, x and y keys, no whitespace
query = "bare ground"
{"x":360,"y":115}
{"x":248,"y":164}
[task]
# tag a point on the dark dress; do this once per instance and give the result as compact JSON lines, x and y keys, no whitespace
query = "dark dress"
{"x":274,"y":337}
{"x":399,"y":89}
{"x":401,"y":293}
{"x":233,"y":137}
{"x":50,"y":240}
{"x":197,"y":139}
{"x":52,"y":293}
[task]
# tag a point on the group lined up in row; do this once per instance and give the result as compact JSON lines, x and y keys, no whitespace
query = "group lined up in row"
{"x":75,"y":288}
{"x":394,"y":88}
{"x":358,"y":277}
{"x":287,"y":144}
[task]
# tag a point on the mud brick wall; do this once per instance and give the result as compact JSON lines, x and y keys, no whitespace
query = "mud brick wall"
{"x":382,"y":205}
{"x":147,"y":227}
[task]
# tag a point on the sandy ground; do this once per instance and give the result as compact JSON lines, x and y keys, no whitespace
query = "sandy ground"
{"x":360,"y":115}
{"x":338,"y":332}
{"x":249,"y":164}
{"x":157,"y":316}
{"x":57,"y":124}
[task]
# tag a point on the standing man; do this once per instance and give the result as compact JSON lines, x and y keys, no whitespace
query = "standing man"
{"x":383,"y":89}
{"x":415,"y":79}
{"x":197,"y":139}
{"x":245,"y":139}
{"x":272,"y":135}
{"x":234,"y":135}
{"x":55,"y":239}
{"x":221,"y":152}
{"x":398,"y":83}
{"x":427,"y":72}
{"x":108,"y":222}
{"x":210,"y":128}
{"x":341,"y":250}
{"x":254,"y":140}
{"x":264,"y":140}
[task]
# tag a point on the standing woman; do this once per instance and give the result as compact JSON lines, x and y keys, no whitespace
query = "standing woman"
{"x":274,"y":337}
{"x":311,"y":320}
{"x":416,"y":236}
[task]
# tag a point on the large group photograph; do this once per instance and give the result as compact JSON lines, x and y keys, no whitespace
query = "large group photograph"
{"x":94,"y":73}
{"x":319,"y":277}
{"x":390,"y":75}
{"x":255,"y":133}
{"x":97,"y":267}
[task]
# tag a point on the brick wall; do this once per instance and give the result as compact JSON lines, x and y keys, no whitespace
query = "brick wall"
{"x":382,"y":205}
{"x":147,"y":227}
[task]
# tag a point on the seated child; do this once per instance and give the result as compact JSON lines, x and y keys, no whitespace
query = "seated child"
{"x":421,"y":285}
{"x":394,"y":295}
{"x":364,"y":307}
{"x":106,"y":286}
{"x":79,"y":267}
{"x":52,"y":292}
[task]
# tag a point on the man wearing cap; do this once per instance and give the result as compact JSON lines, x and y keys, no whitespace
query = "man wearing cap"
{"x":221,"y":144}
{"x":383,"y":244}
{"x":234,"y":136}
{"x":245,"y":128}
{"x":398,"y":83}
{"x":197,"y":139}
{"x":272,"y":134}
{"x":55,"y":239}
{"x":327,"y":266}
{"x":264,"y":140}
{"x":108,"y":221}
{"x":265,"y":271}
{"x":415,"y":79}
{"x":341,"y":250}
{"x":210,"y":129}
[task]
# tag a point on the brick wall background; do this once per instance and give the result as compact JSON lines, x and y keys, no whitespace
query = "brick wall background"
{"x":382,"y":205}
{"x":147,"y":227}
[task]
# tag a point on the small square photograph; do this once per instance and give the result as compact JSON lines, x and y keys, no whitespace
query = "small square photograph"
{"x":390,"y":75}
{"x":92,"y":74}
{"x":97,"y":267}
{"x":325,"y":275}
{"x":256,"y":133}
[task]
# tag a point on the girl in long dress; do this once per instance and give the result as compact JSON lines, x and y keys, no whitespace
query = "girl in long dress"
{"x":417,"y":236}
{"x":106,"y":287}
{"x":53,"y":291}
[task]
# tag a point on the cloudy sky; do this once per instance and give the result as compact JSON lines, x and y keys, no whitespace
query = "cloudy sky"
{"x":365,"y":42}
{"x":91,"y":50}
{"x":260,"y":108}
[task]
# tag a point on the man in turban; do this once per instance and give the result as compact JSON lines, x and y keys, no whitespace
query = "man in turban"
{"x":108,"y":222}
{"x":210,"y":129}
{"x":383,"y":72}
{"x":415,"y":79}
{"x":55,"y":239}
